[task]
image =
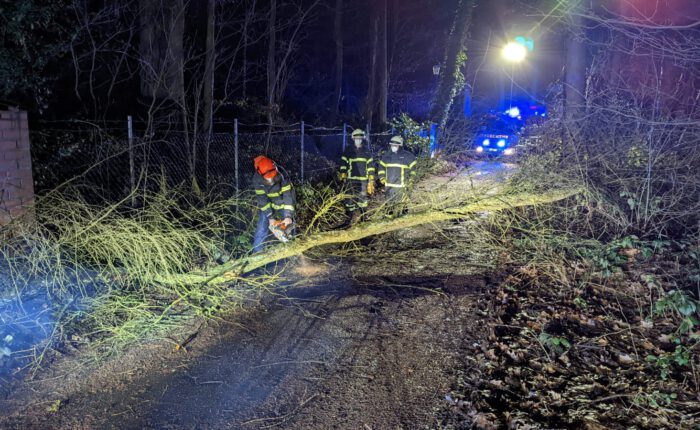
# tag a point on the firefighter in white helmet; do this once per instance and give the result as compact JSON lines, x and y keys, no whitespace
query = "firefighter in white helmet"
{"x":357,"y":169}
{"x":396,"y":172}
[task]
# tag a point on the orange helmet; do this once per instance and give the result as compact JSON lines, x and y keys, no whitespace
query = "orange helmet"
{"x":265,"y":167}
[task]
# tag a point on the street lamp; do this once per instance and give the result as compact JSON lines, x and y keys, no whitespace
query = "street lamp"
{"x":514,"y":53}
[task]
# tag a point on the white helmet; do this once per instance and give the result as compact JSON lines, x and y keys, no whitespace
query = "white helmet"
{"x":396,"y":140}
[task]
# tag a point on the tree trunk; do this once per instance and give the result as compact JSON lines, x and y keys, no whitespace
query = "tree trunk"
{"x":394,"y":34}
{"x":338,"y":36}
{"x":575,"y":79}
{"x":176,"y":51}
{"x":360,"y":231}
{"x":451,"y":77}
{"x":147,"y":47}
{"x":370,"y":101}
{"x":208,"y":90}
{"x":271,"y":63}
{"x":383,"y":65}
{"x":210,"y":58}
{"x":176,"y":75}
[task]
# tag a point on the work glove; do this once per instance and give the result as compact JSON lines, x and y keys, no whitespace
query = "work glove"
{"x":287,"y":222}
{"x":343,"y":176}
{"x":271,"y":221}
{"x":370,"y":187}
{"x":382,"y":180}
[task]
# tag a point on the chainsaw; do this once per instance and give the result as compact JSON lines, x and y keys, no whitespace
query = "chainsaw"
{"x":281,"y":231}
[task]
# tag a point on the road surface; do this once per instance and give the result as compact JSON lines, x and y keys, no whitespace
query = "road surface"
{"x":342,"y":350}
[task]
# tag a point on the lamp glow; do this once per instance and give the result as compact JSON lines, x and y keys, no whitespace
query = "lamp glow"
{"x":508,"y":151}
{"x":486,"y":142}
{"x":513,"y":112}
{"x":501,"y":143}
{"x":514,"y":52}
{"x":479,"y":149}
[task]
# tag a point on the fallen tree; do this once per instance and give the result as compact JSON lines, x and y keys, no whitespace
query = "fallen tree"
{"x":137,"y":267}
{"x":226,"y":272}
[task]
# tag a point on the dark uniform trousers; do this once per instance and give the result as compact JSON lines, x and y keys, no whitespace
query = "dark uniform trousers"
{"x":358,"y":164}
{"x":275,"y":201}
{"x":397,"y":170}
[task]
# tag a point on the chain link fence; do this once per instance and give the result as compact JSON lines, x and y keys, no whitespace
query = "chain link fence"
{"x":111,"y":162}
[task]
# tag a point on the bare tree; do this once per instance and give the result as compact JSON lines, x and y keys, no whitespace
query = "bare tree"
{"x":279,"y":59}
{"x":208,"y":81}
{"x":238,"y":27}
{"x":162,"y":27}
{"x":272,"y":62}
{"x":632,"y":93}
{"x":383,"y":64}
{"x":246,"y":24}
{"x":338,"y":38}
{"x":370,"y":100}
{"x":210,"y":60}
{"x":575,"y":76}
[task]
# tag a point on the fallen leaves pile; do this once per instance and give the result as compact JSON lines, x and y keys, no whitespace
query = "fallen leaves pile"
{"x":582,"y":355}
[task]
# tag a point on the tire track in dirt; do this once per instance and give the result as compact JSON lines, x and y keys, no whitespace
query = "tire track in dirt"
{"x":327,"y":356}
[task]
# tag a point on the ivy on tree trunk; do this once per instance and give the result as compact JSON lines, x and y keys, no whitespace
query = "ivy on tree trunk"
{"x":452,"y":78}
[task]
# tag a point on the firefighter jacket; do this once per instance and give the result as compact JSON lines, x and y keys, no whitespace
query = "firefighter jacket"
{"x":276,"y":200}
{"x":397,"y":169}
{"x":357,"y":163}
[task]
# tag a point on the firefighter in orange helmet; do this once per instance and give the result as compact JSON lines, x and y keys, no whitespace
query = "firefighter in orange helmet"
{"x":275,"y":198}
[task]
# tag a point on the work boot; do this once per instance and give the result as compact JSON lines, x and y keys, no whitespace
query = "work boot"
{"x":356,"y":217}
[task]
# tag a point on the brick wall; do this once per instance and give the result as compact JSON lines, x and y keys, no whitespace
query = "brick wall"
{"x":16,"y":183}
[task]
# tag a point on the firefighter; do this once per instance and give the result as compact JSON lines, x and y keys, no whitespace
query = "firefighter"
{"x":275,"y":198}
{"x":396,"y":172}
{"x":357,"y":169}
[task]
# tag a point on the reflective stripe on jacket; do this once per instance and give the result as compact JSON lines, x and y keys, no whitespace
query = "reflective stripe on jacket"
{"x":397,"y":168}
{"x":277,"y":199}
{"x":357,"y":163}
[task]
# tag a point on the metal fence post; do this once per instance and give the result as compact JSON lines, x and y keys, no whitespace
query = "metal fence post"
{"x":345,"y":135}
{"x":235,"y":151}
{"x":302,"y":151}
{"x":132,"y":173}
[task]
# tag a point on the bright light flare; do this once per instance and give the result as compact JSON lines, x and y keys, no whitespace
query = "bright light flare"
{"x":514,"y":52}
{"x":509,"y":151}
{"x":501,"y":143}
{"x":479,"y":149}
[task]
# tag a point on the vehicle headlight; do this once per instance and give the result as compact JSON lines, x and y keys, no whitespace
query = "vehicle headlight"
{"x":486,"y":142}
{"x":509,"y":151}
{"x":501,"y":143}
{"x":479,"y":149}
